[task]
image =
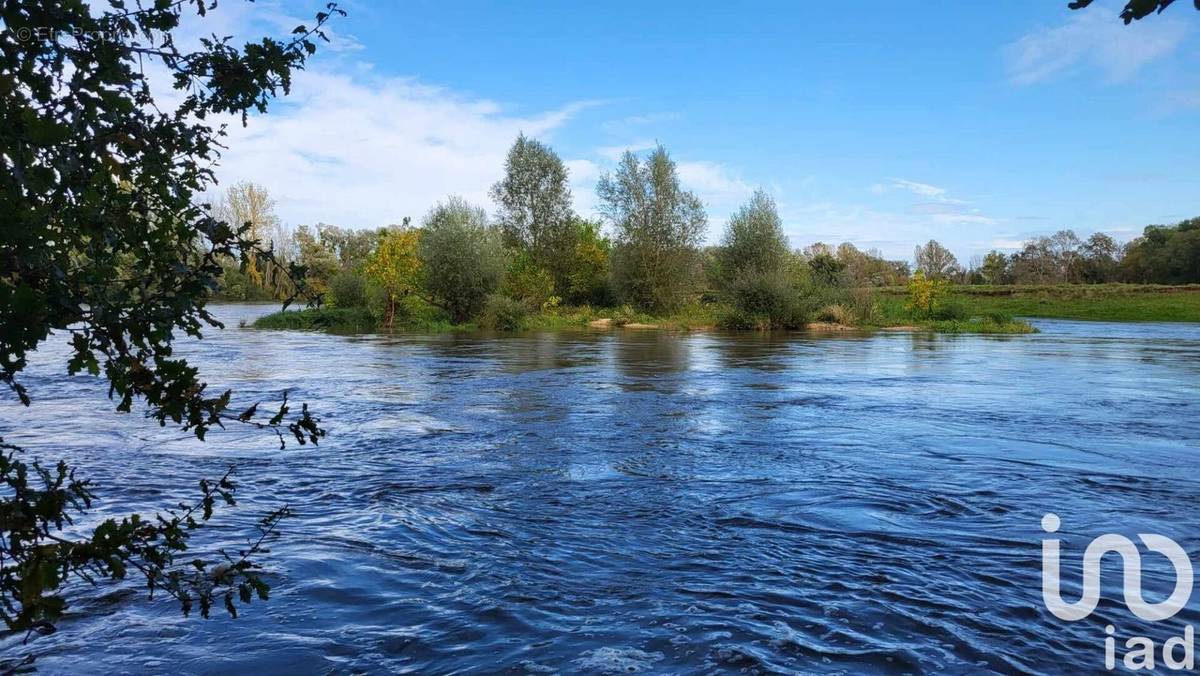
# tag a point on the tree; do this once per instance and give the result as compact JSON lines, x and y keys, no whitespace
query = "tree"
{"x":394,"y":268}
{"x":250,"y":205}
{"x":658,"y":225}
{"x":1135,"y":9}
{"x":825,"y":267}
{"x":1165,"y":254}
{"x":535,"y":207}
{"x":320,"y":261}
{"x":995,"y":268}
{"x":1099,"y":259}
{"x":103,"y":239}
{"x":462,"y":257}
{"x":754,"y":240}
{"x":935,"y":260}
{"x":590,"y":265}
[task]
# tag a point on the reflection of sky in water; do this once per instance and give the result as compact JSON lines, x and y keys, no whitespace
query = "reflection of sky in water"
{"x":644,"y":499}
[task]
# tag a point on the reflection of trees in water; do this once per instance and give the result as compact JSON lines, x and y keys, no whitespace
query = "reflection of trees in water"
{"x":761,"y":351}
{"x":641,"y":355}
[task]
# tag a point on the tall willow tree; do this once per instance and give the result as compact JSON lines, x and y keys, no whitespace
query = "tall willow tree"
{"x":659,"y":227}
{"x":535,"y":212}
{"x":102,"y":241}
{"x":754,"y":240}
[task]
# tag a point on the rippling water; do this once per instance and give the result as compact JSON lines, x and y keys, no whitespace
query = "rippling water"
{"x":645,"y":501}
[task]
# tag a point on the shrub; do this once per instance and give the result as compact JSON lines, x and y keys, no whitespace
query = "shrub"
{"x":501,"y":313}
{"x":528,"y":282}
{"x":999,"y":317}
{"x":769,"y":300}
{"x":739,"y":320}
{"x":462,"y":257}
{"x":950,"y":310}
{"x":835,"y":313}
{"x":348,"y":289}
{"x":925,"y":294}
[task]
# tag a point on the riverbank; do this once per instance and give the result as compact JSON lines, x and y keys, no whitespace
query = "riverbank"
{"x":693,"y":317}
{"x":1091,"y":302}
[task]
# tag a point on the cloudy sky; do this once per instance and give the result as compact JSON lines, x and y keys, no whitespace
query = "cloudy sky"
{"x":882,"y":122}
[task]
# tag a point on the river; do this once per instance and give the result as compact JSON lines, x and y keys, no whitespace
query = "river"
{"x":629,"y":501}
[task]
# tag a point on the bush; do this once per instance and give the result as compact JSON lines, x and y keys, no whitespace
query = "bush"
{"x":501,"y":313}
{"x":925,"y":296}
{"x":739,"y":320}
{"x":348,"y":289}
{"x":835,"y":313}
{"x":999,"y":317}
{"x":528,"y":282}
{"x":462,"y":258}
{"x":949,"y":311}
{"x":768,"y":300}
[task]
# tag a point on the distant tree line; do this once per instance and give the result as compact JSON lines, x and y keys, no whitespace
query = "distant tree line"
{"x":536,"y":253}
{"x":1163,"y":254}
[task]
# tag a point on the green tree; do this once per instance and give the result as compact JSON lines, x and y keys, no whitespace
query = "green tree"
{"x":1135,"y":9}
{"x":658,"y":225}
{"x":754,"y":240}
{"x":591,"y":264}
{"x":462,"y":257}
{"x":1099,"y":259}
{"x":535,"y":207}
{"x":995,"y":268}
{"x":103,"y":240}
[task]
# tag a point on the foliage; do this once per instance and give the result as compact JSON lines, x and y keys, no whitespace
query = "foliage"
{"x":527,"y":282}
{"x":348,"y":289}
{"x":658,"y":230}
{"x":248,"y":204}
{"x":768,"y":300}
{"x":935,"y":260}
{"x":393,"y":269}
{"x":535,"y":213}
{"x":1165,"y":254}
{"x":825,"y":268}
{"x":754,"y":240}
{"x":334,"y":320}
{"x":462,"y":257}
{"x":1134,"y":9}
{"x":104,"y":240}
{"x":591,"y":265}
{"x":925,"y":294}
{"x":865,"y":268}
{"x":501,"y":313}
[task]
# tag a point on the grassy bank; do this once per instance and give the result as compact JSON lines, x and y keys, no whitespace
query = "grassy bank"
{"x":693,"y":317}
{"x":1096,"y":302}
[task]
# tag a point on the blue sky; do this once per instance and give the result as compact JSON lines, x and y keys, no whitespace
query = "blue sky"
{"x":883,"y":123}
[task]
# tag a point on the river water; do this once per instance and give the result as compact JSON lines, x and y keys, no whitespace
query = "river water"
{"x":614,"y":502}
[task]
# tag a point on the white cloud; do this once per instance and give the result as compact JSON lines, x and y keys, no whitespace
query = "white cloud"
{"x":713,"y":182}
{"x":362,"y":150}
{"x":1094,"y":39}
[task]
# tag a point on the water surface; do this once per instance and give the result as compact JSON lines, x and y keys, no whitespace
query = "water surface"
{"x":651,"y":501}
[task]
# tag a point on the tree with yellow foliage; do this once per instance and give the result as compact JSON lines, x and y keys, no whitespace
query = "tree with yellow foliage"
{"x":394,"y":267}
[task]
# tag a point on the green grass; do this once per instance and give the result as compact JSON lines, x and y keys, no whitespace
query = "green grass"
{"x":422,"y":318}
{"x":1097,"y":302}
{"x":333,"y":320}
{"x":977,"y":325}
